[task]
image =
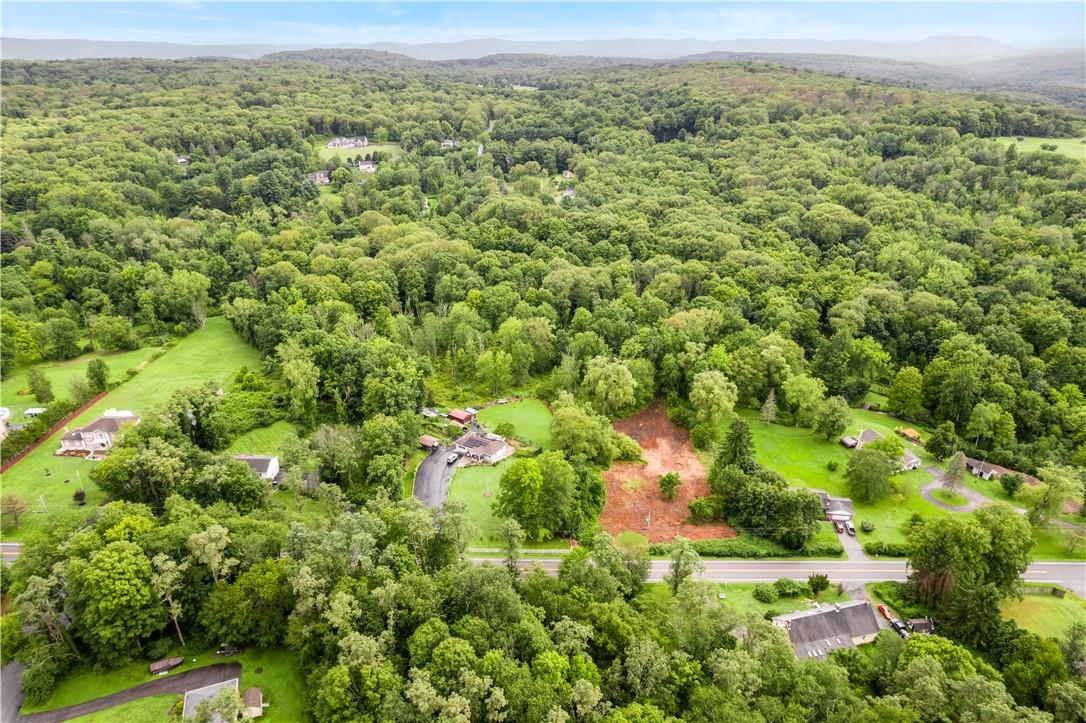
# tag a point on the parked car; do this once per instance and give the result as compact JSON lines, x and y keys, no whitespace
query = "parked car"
{"x":850,"y":529}
{"x":228,"y":650}
{"x":838,"y":526}
{"x":451,"y":458}
{"x":884,"y":610}
{"x":899,"y":628}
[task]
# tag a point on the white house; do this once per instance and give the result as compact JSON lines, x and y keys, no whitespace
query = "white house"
{"x":97,"y":437}
{"x":909,"y":460}
{"x":267,"y":467}
{"x":489,"y":448}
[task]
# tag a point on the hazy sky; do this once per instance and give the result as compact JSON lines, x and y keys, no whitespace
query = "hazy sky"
{"x":329,"y":23}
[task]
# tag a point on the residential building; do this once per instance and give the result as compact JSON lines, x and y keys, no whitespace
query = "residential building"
{"x":449,"y":143}
{"x":5,"y":415}
{"x":349,"y":142}
{"x":267,"y":467}
{"x":814,"y":634}
{"x":95,"y":439}
{"x":321,"y":178}
{"x":488,"y":448}
{"x":182,"y":160}
{"x":868,"y":435}
{"x":981,"y":469}
{"x":909,"y":460}
{"x":837,"y":509}
{"x":461,"y":416}
{"x":194,"y":698}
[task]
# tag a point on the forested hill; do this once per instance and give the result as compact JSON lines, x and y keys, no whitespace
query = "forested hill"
{"x":708,"y":235}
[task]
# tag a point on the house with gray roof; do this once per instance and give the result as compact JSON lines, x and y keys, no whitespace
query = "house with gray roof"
{"x":489,"y":448}
{"x":194,"y":698}
{"x":868,"y":435}
{"x":266,"y":467}
{"x":815,"y":633}
{"x":96,"y":438}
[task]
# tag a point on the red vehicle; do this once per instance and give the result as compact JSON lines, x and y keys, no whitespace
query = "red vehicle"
{"x":885,"y":611}
{"x":838,"y":526}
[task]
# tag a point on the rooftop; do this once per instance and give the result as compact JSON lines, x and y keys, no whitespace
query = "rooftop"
{"x":194,"y":698}
{"x":870,"y":435}
{"x":481,"y":446}
{"x":814,"y":633}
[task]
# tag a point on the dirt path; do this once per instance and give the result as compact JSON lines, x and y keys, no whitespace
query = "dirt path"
{"x":177,"y":683}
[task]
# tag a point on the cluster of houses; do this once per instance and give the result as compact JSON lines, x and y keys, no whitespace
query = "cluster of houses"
{"x":7,"y":426}
{"x":909,"y":459}
{"x":475,"y":444}
{"x":349,"y":142}
{"x":817,"y":632}
{"x":320,"y":178}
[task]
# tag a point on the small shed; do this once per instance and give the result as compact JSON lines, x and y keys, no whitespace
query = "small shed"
{"x":910,"y":434}
{"x":429,"y":443}
{"x":160,"y":667}
{"x":253,"y":699}
{"x":849,"y":442}
{"x":461,"y":416}
{"x":922,"y":626}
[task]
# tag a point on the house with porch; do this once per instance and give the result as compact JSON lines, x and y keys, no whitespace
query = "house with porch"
{"x":95,"y":439}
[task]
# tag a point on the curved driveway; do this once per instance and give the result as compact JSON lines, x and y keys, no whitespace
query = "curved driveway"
{"x":432,"y":478}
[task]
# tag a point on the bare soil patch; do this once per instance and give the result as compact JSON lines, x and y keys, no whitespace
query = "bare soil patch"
{"x":633,"y":492}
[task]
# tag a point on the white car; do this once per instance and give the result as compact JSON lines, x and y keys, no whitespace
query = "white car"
{"x":451,"y":458}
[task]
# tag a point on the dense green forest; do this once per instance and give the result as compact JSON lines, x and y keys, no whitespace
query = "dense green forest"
{"x":723,"y":236}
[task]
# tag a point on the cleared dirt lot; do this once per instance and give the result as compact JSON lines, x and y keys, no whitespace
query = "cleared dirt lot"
{"x":633,"y":492}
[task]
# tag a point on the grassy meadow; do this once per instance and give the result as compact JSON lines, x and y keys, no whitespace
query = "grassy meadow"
{"x":1045,"y":614}
{"x":46,"y":483}
{"x":1070,"y":147}
{"x":530,"y":417}
{"x":61,"y":373}
{"x":341,"y":154}
{"x":152,"y":709}
{"x":265,"y":440}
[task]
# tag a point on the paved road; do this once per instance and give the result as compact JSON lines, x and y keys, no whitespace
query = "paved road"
{"x":10,"y":697}
{"x":1071,"y":575}
{"x":9,"y":551}
{"x":175,"y":683}
{"x":432,"y":478}
{"x":854,"y":549}
{"x":973,"y":498}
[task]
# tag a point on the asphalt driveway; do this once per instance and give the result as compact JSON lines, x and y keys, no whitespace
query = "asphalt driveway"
{"x":432,"y":478}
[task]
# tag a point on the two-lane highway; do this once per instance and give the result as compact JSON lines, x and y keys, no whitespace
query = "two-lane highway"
{"x":1071,"y":575}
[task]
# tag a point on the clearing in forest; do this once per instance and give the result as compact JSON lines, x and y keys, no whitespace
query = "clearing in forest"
{"x":634,"y":501}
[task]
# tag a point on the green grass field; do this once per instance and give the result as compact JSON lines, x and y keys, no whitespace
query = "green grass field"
{"x":280,"y":678}
{"x":60,"y":375}
{"x":153,"y":709}
{"x":1045,"y":614}
{"x":265,"y":440}
{"x":343,"y":153}
{"x":802,"y":457}
{"x":530,"y":417}
{"x":740,"y":597}
{"x":949,"y":497}
{"x":1071,"y":147}
{"x":476,"y":486}
{"x":214,"y":352}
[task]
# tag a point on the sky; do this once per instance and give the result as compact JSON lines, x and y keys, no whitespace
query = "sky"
{"x":331,"y":23}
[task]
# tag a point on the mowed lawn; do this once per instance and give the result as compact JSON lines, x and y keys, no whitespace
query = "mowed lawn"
{"x":477,"y":486}
{"x":60,"y":375}
{"x":327,"y":153}
{"x":530,"y":417}
{"x":153,"y":709}
{"x":740,"y":597}
{"x":1046,"y":615}
{"x":265,"y":440}
{"x":802,"y":457}
{"x":279,"y":677}
{"x":1071,"y":147}
{"x":46,"y":482}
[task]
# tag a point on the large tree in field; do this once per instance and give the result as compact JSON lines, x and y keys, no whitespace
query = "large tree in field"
{"x":712,"y":395}
{"x":1045,"y":501}
{"x":833,"y":417}
{"x":518,"y":493}
{"x":943,"y":442}
{"x":115,"y":601}
{"x":610,"y":386}
{"x":804,"y":394}
{"x":868,"y":474}
{"x":955,"y":472}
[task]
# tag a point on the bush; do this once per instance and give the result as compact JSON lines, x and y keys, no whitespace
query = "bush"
{"x":1011,"y":483}
{"x":867,"y":526}
{"x":765,"y":593}
{"x":506,"y":429}
{"x":770,"y":614}
{"x":818,"y":582}
{"x":702,"y":436}
{"x":752,"y":547}
{"x":669,"y":485}
{"x":886,"y":549}
{"x":626,"y":450}
{"x":787,"y":587}
{"x":702,"y":509}
{"x":680,"y":413}
{"x":832,"y":465}
{"x":160,"y":648}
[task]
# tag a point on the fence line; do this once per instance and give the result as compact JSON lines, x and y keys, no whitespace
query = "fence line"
{"x":52,"y":430}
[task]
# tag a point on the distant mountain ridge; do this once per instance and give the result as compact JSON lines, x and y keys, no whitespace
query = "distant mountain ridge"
{"x":932,"y":49}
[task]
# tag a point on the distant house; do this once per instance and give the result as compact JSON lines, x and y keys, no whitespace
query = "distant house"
{"x":849,"y":442}
{"x":253,"y":699}
{"x":267,"y":467}
{"x":868,"y":435}
{"x":922,"y":626}
{"x":461,"y":417}
{"x":5,"y":415}
{"x":837,"y":509}
{"x":429,"y":443}
{"x":567,"y":173}
{"x":449,"y":143}
{"x":909,"y":460}
{"x":349,"y":142}
{"x":489,"y":448}
{"x":430,"y":412}
{"x":161,"y":667}
{"x":182,"y":160}
{"x":33,"y":412}
{"x":569,"y":193}
{"x":194,"y":698}
{"x":816,"y":633}
{"x":97,"y":437}
{"x":367,"y":166}
{"x":910,"y":434}
{"x":981,"y":469}
{"x":320,"y":178}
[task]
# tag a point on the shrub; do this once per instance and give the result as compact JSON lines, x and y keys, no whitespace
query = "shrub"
{"x":506,"y":429}
{"x":1011,"y":483}
{"x":832,"y":465}
{"x":787,"y":587}
{"x":626,"y":450}
{"x":886,"y":549}
{"x":867,"y":526}
{"x":765,"y":593}
{"x":669,"y":485}
{"x":80,"y":497}
{"x":702,"y":509}
{"x":770,"y":614}
{"x":702,"y":436}
{"x":818,"y":583}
